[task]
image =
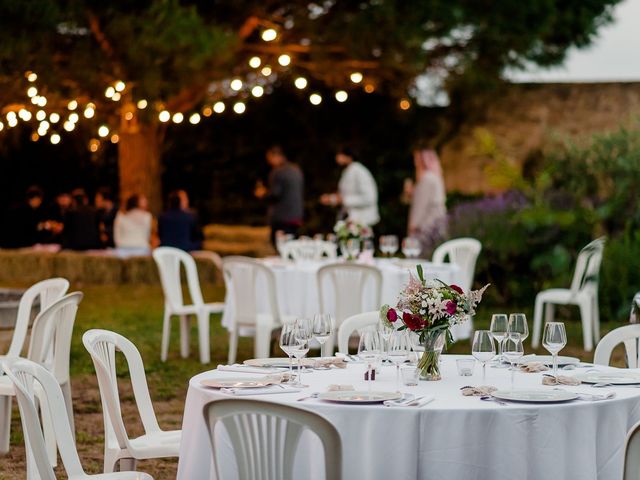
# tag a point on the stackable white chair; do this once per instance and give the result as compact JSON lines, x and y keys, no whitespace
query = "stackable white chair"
{"x":632,"y":454}
{"x":31,"y":381}
{"x":629,"y":335}
{"x":50,"y":346}
{"x":47,"y":291}
{"x":265,"y":438}
{"x":348,"y":282}
{"x":355,"y":323}
{"x":102,"y":345}
{"x":309,"y":250}
{"x":583,"y":293}
{"x":169,"y":260}
{"x":462,"y":252}
{"x":241,"y":275}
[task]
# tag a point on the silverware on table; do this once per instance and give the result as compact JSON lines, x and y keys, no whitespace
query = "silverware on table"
{"x":489,"y":398}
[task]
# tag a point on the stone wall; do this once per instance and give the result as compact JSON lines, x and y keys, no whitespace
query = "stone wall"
{"x":527,"y":117}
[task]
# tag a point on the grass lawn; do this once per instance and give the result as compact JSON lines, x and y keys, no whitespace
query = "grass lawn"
{"x":136,"y":312}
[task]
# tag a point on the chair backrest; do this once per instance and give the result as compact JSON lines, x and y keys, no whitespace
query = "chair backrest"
{"x":241,"y":274}
{"x":629,"y":335}
{"x":632,"y":453}
{"x":349,"y":282}
{"x":169,"y":260}
{"x":355,"y":323}
{"x":50,"y":342}
{"x":31,"y":380}
{"x":308,"y":250}
{"x":48,"y":291}
{"x":587,"y":272}
{"x":462,"y":252}
{"x":265,"y":437}
{"x":102,"y":345}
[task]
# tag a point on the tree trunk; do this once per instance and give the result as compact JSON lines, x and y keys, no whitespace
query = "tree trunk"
{"x":139,"y":162}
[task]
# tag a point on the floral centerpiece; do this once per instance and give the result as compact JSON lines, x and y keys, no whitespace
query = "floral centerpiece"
{"x":346,"y":230}
{"x":430,"y":309}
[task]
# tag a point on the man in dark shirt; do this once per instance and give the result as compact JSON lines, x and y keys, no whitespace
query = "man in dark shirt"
{"x":24,"y":222}
{"x":178,"y":226}
{"x":81,"y":224}
{"x":285,"y":193}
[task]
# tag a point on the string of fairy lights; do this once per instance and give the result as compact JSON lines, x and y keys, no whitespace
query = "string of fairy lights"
{"x":229,"y":94}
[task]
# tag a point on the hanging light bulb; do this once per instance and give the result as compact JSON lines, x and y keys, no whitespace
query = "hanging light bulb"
{"x":41,"y":115}
{"x":12,"y":122}
{"x":315,"y":99}
{"x":236,"y":84}
{"x":255,"y":62}
{"x":219,"y":107}
{"x":94,"y":144}
{"x":42,"y":101}
{"x":44,"y":125}
{"x":239,"y":107}
{"x":300,"y":83}
{"x":73,"y":104}
{"x":24,"y":114}
{"x":164,"y":116}
{"x":207,"y":111}
{"x":1,"y":126}
{"x":89,"y":112}
{"x":35,"y":137}
{"x":142,"y":104}
{"x":178,"y":117}
{"x":69,"y":126}
{"x":55,"y":138}
{"x":194,"y":118}
{"x":31,"y":76}
{"x":284,"y":60}
{"x":120,"y":86}
{"x":103,"y":131}
{"x":115,"y":138}
{"x":341,"y":96}
{"x":74,"y":117}
{"x":266,"y":71}
{"x":269,"y":35}
{"x":128,"y":116}
{"x":257,"y":91}
{"x":54,"y":117}
{"x":356,"y":77}
{"x":109,"y":92}
{"x":405,"y":104}
{"x":32,"y":92}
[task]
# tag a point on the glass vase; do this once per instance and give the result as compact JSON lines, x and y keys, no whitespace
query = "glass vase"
{"x":429,"y":364}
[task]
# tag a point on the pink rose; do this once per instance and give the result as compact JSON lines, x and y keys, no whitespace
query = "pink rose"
{"x":451,"y":307}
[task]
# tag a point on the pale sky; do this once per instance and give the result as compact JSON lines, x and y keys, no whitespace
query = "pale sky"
{"x":613,"y":56}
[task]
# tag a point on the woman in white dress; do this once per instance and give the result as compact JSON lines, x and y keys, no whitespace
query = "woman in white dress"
{"x":132,"y":227}
{"x":428,"y":212}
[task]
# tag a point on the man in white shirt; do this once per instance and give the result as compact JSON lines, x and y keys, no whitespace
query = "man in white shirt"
{"x":357,"y":191}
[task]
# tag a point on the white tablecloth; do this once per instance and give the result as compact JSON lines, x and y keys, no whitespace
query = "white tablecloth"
{"x":453,"y":437}
{"x":297,"y":287}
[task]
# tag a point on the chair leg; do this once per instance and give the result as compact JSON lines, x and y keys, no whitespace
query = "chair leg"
{"x":5,"y":423}
{"x":166,"y":330}
{"x":185,"y":338}
{"x":110,"y":461}
{"x":233,"y":345}
{"x":595,"y":318}
{"x":587,"y":327}
{"x":537,"y":321}
{"x":203,"y":337}
{"x":127,"y":465}
{"x":68,"y":400}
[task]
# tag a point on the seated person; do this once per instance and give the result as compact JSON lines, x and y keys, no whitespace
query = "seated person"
{"x":132,"y":227}
{"x":82,"y":225}
{"x":26,"y":221}
{"x":107,"y":210}
{"x":178,"y":227}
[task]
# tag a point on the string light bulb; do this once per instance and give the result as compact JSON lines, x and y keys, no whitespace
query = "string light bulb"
{"x":405,"y":104}
{"x":54,"y":117}
{"x":55,"y":138}
{"x":120,"y":86}
{"x":341,"y":96}
{"x":31,"y":76}
{"x":236,"y":84}
{"x":269,"y":35}
{"x":257,"y":91}
{"x":74,"y":117}
{"x":207,"y":111}
{"x":128,"y":116}
{"x":109,"y":92}
{"x":115,"y":138}
{"x":1,"y":126}
{"x":41,"y":115}
{"x":103,"y":131}
{"x":89,"y":112}
{"x":369,"y":88}
{"x":164,"y":116}
{"x":24,"y":114}
{"x":315,"y":99}
{"x":356,"y":77}
{"x":116,"y":97}
{"x":266,"y":71}
{"x":219,"y":107}
{"x":178,"y":117}
{"x":239,"y":107}
{"x":142,"y":104}
{"x":73,"y":104}
{"x":44,"y":125}
{"x":300,"y":83}
{"x":69,"y":126}
{"x":194,"y":118}
{"x":284,"y":60}
{"x":32,"y":92}
{"x":94,"y":144}
{"x":255,"y":62}
{"x":42,"y":101}
{"x":35,"y":137}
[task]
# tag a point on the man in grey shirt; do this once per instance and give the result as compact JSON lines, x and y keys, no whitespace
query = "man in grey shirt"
{"x":285,"y":193}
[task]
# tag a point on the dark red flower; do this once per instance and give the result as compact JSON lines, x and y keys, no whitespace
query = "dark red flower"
{"x":392,"y":315}
{"x":457,"y":289}
{"x":451,"y":307}
{"x":412,"y":321}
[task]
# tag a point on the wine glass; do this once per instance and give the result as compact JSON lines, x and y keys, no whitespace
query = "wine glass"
{"x":411,"y":247}
{"x":383,"y":244}
{"x":369,"y":350}
{"x":554,"y":340}
{"x":322,"y":329}
{"x":483,"y":349}
{"x":368,"y":247}
{"x":518,"y":324}
{"x":288,"y":343}
{"x":512,"y":349}
{"x":353,"y":247}
{"x":499,"y":328}
{"x":398,"y":352}
{"x":303,"y":333}
{"x":392,"y":242}
{"x":385,"y":332}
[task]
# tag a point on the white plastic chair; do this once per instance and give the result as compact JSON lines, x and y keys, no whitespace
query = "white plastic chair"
{"x":462,"y":252}
{"x":49,"y":346}
{"x":30,"y":380}
{"x":348,"y":282}
{"x":102,"y":345}
{"x":632,"y":454}
{"x":583,"y":293}
{"x":308,"y":250}
{"x":241,"y":275}
{"x":265,"y":438}
{"x":629,"y":335}
{"x":355,"y":323}
{"x":169,"y":260}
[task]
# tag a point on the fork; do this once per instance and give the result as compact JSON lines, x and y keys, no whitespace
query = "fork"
{"x":489,"y":398}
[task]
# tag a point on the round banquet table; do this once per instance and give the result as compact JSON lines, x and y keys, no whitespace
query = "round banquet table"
{"x":297,"y":287}
{"x":453,"y":437}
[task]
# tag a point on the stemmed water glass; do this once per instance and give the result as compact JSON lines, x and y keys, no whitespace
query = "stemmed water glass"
{"x":518,"y":324}
{"x":369,"y":350}
{"x":499,"y":327}
{"x":512,"y":349}
{"x":398,"y":352}
{"x":322,"y":329}
{"x":554,"y":340}
{"x":411,"y":247}
{"x":303,"y":333}
{"x":353,"y":247}
{"x":385,"y":332}
{"x":388,"y":245}
{"x":288,"y":344}
{"x":483,"y":349}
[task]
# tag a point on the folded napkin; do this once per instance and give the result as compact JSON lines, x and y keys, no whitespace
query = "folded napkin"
{"x":533,"y":367}
{"x":247,"y":369}
{"x":478,"y":391}
{"x":258,"y":391}
{"x":559,"y":380}
{"x":328,"y":362}
{"x":340,"y":388}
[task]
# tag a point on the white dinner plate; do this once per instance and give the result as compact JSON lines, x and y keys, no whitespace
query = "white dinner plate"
{"x":548,"y":360}
{"x":278,"y":362}
{"x":615,"y":378}
{"x":359,"y":397}
{"x":244,"y":382}
{"x":535,"y":396}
